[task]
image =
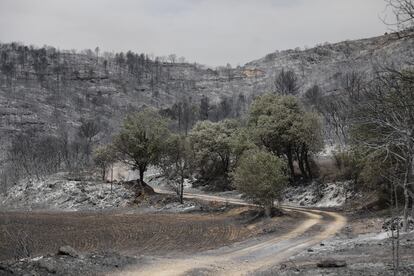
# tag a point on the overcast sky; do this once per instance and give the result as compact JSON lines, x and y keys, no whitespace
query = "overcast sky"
{"x":212,"y":32}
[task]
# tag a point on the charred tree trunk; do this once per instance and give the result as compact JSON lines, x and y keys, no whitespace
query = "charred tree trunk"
{"x":268,"y":208}
{"x":103,"y":174}
{"x":412,"y":207}
{"x":300,"y":157}
{"x":307,"y":164}
{"x":290,"y":162}
{"x":182,"y":190}
{"x":142,"y":169}
{"x":407,"y":180}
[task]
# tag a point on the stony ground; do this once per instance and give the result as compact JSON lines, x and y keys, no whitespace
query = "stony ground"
{"x":319,"y":195}
{"x":62,"y":192}
{"x":70,"y":263}
{"x":362,"y":248}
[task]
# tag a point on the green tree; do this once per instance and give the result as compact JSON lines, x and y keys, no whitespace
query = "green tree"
{"x":260,"y":175}
{"x":104,"y":157}
{"x":141,"y":141}
{"x":280,"y":124}
{"x":307,"y":138}
{"x":177,"y":162}
{"x":217,"y":148}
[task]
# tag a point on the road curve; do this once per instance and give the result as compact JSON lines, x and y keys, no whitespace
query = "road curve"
{"x":252,"y":255}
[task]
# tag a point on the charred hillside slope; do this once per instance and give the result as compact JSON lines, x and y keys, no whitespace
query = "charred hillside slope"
{"x":48,"y":89}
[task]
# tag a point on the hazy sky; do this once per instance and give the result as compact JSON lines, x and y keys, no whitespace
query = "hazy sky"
{"x":211,"y":32}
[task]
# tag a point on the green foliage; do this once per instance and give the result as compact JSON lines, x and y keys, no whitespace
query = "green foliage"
{"x":177,"y":161}
{"x":217,"y":147}
{"x":141,"y":141}
{"x":308,"y":131}
{"x":272,"y":118}
{"x":103,"y":158}
{"x":280,"y":124}
{"x":260,"y":176}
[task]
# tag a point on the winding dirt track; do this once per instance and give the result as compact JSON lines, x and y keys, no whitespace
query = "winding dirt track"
{"x":252,"y":255}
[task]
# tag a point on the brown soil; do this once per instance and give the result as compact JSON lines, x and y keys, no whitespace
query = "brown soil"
{"x":149,"y":233}
{"x":363,"y":223}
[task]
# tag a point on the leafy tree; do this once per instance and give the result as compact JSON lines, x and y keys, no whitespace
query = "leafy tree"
{"x":177,"y":162}
{"x":307,"y":138}
{"x":280,"y":124}
{"x":141,"y":141}
{"x":104,"y":157}
{"x":217,"y":148}
{"x":261,"y":177}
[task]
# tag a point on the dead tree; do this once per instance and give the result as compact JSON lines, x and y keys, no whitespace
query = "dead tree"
{"x":403,"y":13}
{"x":384,"y":120}
{"x":286,"y":83}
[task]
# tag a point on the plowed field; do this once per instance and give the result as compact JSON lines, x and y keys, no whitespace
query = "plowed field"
{"x":150,"y":233}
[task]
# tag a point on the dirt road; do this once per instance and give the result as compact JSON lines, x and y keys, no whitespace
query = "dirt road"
{"x":249,"y":256}
{"x":226,"y":242}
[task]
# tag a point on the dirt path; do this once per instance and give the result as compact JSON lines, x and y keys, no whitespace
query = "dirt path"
{"x":252,"y":255}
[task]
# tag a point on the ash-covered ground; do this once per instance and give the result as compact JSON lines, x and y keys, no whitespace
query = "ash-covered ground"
{"x":67,"y":261}
{"x":320,"y":195}
{"x":110,"y":229}
{"x":363,"y":247}
{"x":62,"y":192}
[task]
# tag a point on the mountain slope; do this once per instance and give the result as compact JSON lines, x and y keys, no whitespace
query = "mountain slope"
{"x":47,"y":89}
